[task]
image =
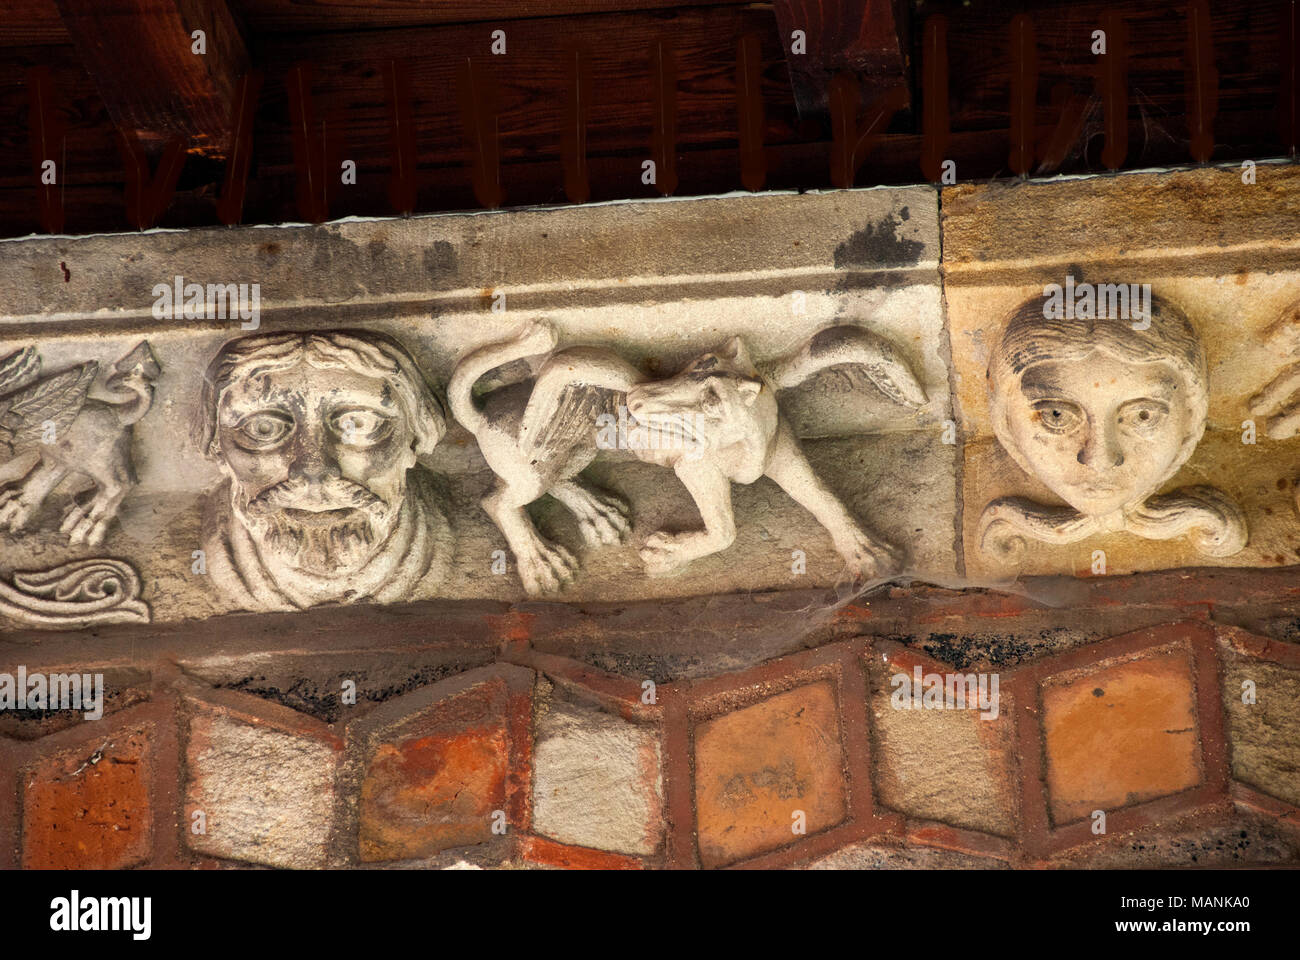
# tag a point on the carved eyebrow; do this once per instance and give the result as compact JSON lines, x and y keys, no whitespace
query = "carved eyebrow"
{"x":349,"y":406}
{"x":1165,"y":388}
{"x":1037,"y":388}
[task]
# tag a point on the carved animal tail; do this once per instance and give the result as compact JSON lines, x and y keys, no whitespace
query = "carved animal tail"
{"x":535,"y":338}
{"x":843,"y":345}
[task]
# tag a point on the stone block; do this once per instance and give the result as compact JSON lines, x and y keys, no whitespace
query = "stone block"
{"x":597,"y":780}
{"x":263,"y":781}
{"x":953,"y":762}
{"x":1195,"y":461}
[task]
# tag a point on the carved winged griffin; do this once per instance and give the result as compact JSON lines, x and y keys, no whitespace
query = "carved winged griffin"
{"x":723,"y":423}
{"x":52,"y":428}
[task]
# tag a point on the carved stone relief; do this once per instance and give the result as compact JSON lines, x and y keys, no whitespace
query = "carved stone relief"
{"x":1104,"y":414}
{"x":795,"y":384}
{"x":319,"y":436}
{"x":83,"y":593}
{"x":53,"y":429}
{"x":715,"y":423}
{"x":1277,"y":404}
{"x":69,"y":429}
{"x":1209,"y":483}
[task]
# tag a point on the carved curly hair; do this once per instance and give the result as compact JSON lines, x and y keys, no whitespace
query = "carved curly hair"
{"x":365,"y":352}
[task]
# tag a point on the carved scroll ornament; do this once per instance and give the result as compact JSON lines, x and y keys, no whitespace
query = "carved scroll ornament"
{"x":83,"y":593}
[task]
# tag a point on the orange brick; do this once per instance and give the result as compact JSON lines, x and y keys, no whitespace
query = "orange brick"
{"x":440,"y":762}
{"x":549,"y":853}
{"x":90,"y":809}
{"x":1121,"y":735}
{"x":755,"y":767}
{"x":425,"y":794}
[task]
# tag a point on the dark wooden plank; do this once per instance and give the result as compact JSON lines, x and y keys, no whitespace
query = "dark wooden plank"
{"x":97,"y":206}
{"x":27,"y":23}
{"x":45,"y":132}
{"x":533,"y":79}
{"x":862,"y":38}
{"x":317,"y":15}
{"x":1247,"y":54}
{"x":162,"y":88}
{"x":535,"y":84}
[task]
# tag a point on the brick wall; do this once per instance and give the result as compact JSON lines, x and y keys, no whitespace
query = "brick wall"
{"x":807,"y":759}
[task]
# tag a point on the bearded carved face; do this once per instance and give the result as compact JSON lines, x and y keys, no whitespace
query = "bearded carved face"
{"x":317,"y":462}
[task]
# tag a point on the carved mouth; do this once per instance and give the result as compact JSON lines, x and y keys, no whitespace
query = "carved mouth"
{"x":318,"y":516}
{"x":1100,"y":487}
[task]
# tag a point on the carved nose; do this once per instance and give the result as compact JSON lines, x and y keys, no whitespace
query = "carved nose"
{"x":1100,"y":453}
{"x":313,"y":463}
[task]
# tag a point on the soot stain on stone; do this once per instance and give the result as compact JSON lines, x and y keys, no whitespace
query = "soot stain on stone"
{"x":439,"y":259}
{"x":878,"y":245}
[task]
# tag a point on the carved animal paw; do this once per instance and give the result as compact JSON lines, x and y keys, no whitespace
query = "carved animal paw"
{"x":603,"y":520}
{"x":868,"y":558}
{"x":16,"y":511}
{"x":1279,"y":403}
{"x":545,"y":567}
{"x":665,"y":554}
{"x":87,"y":523}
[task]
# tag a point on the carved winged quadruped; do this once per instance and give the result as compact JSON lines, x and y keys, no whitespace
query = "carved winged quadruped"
{"x":53,"y":427}
{"x":717,"y":422}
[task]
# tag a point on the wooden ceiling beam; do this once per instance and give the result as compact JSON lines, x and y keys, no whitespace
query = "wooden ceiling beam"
{"x":144,"y":56}
{"x":30,"y":23}
{"x":293,"y":16}
{"x":823,"y":38}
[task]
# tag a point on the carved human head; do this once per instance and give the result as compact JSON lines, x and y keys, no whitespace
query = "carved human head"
{"x":316,"y":432}
{"x":1102,"y":413}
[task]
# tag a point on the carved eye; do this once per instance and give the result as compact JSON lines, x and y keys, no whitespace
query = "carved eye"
{"x":360,"y":427}
{"x":1142,"y":416}
{"x":261,"y":431}
{"x":1058,"y":416}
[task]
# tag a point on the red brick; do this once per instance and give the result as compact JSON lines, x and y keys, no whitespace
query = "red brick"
{"x":90,"y":808}
{"x":423,"y":794}
{"x":549,"y":853}
{"x":435,"y":766}
{"x":756,"y":766}
{"x":1120,"y":735}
